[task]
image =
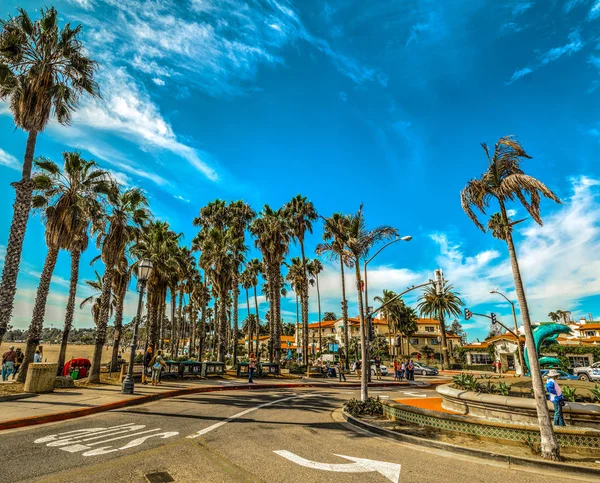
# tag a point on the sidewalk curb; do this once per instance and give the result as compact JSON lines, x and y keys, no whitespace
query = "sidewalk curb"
{"x":513,"y":462}
{"x":79,"y":413}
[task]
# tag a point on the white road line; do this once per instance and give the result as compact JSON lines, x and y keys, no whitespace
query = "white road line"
{"x":239,"y":415}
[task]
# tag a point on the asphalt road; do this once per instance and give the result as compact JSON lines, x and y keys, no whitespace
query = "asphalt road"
{"x":272,"y":436}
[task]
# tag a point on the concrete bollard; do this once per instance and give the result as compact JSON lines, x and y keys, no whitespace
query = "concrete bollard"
{"x":41,"y":377}
{"x":123,"y":372}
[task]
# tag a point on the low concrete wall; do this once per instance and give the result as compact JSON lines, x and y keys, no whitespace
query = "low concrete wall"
{"x":41,"y":377}
{"x":514,"y":409}
{"x":574,"y":440}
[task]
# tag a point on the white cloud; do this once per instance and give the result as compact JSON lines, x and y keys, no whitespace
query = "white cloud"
{"x":521,"y":8}
{"x":575,"y":44}
{"x":571,"y":4}
{"x":85,"y":4}
{"x":121,"y":178}
{"x":9,"y":160}
{"x":517,"y":74}
{"x":181,"y":198}
{"x":127,"y":110}
{"x":511,"y":213}
{"x":594,"y":12}
{"x":158,"y":81}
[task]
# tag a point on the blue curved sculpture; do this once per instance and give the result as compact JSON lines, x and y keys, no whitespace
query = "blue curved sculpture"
{"x":545,"y":336}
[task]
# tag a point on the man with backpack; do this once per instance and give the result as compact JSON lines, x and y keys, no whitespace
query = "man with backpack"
{"x":8,"y":362}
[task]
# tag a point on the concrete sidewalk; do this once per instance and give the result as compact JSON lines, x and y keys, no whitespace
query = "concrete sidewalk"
{"x":31,"y":409}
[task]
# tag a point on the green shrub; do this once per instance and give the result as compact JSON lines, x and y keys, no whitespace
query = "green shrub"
{"x":372,"y":406}
{"x":595,"y":393}
{"x":569,"y":394}
{"x":296,"y":368}
{"x":503,"y":389}
{"x":138,"y":359}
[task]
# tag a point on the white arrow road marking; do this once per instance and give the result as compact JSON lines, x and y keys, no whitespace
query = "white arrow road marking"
{"x":415,"y":394}
{"x":361,"y":465}
{"x":239,"y":415}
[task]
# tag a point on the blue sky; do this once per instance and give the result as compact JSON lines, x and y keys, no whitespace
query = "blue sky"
{"x":383,"y":102}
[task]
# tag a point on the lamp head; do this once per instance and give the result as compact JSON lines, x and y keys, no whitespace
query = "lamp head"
{"x":406,"y":238}
{"x":145,"y":270}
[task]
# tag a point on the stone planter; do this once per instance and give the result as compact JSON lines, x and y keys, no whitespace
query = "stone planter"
{"x":514,"y":409}
{"x":41,"y":377}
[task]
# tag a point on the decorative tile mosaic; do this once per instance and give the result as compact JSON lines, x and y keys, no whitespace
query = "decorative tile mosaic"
{"x":496,"y":432}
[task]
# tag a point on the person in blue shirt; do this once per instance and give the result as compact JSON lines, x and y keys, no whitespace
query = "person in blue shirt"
{"x":556,"y":397}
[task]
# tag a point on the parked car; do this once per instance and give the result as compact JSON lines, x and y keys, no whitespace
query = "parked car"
{"x":563,"y":376}
{"x":590,"y":373}
{"x":424,"y":370}
{"x":383,"y":369}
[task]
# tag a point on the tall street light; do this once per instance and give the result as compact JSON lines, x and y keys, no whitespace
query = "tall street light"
{"x":369,"y":322}
{"x":144,"y":272}
{"x":403,"y":238}
{"x":520,"y":354}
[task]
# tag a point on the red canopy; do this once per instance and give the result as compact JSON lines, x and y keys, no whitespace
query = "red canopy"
{"x":77,"y":362}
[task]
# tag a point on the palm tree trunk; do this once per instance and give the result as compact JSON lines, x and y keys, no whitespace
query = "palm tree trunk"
{"x":75,"y":258}
{"x":39,"y":310}
{"x":180,"y":321}
{"x":193,"y":321}
{"x":18,"y":227}
{"x":257,"y":324}
{"x":345,"y":317}
{"x":444,"y":343}
{"x":319,"y":304}
{"x":236,"y":295}
{"x":549,"y":443}
{"x":94,"y":374}
{"x":173,"y":322}
{"x":304,"y":304}
{"x":249,"y":325}
{"x":364,"y":377}
{"x":222,"y":346}
{"x":118,"y":325}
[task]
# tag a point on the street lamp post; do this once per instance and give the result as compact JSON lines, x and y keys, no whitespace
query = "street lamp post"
{"x":403,"y":238}
{"x":144,"y":271}
{"x":519,"y":352}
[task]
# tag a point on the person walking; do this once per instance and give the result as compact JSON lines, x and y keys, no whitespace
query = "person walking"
{"x":341,"y":370}
{"x":148,"y":356}
{"x":357,"y":368}
{"x":396,"y":370}
{"x":8,"y":362}
{"x":18,"y":362}
{"x":37,"y":357}
{"x":251,"y":368}
{"x":377,"y":362}
{"x":410,"y":370}
{"x":157,"y":364}
{"x":556,"y":397}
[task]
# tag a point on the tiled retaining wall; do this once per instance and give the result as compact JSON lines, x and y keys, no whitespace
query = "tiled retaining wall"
{"x":567,"y":438}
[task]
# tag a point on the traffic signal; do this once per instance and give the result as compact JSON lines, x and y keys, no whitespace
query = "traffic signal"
{"x":371,"y":329}
{"x":468,"y":314}
{"x":493,"y":317}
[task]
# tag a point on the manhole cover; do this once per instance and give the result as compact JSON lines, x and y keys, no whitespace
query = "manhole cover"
{"x":159,"y":477}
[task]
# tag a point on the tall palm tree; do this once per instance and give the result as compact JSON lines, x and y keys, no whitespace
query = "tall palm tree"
{"x":333,"y":232}
{"x":329,"y":316}
{"x":407,"y":324}
{"x":440,"y":306}
{"x":504,"y":181}
{"x":120,"y":282}
{"x":315,"y":267}
{"x":359,"y":240}
{"x":295,"y":277}
{"x":68,"y":199}
{"x":301,"y":213}
{"x":240,"y":216}
{"x":127,"y":214}
{"x":43,"y":71}
{"x":247,"y":283}
{"x":254,"y":269}
{"x":272,"y":233}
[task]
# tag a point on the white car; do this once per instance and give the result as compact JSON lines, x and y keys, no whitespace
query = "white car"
{"x":383,"y":369}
